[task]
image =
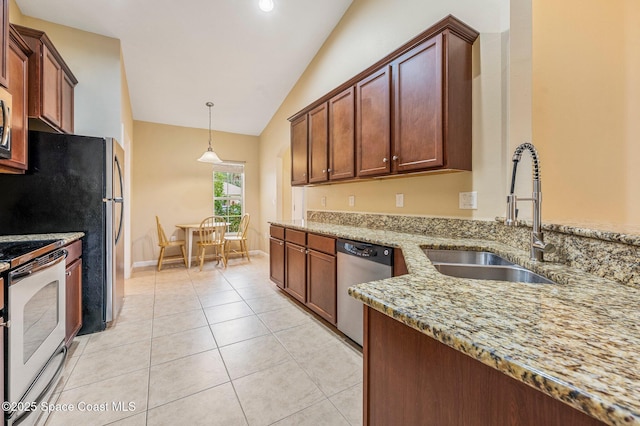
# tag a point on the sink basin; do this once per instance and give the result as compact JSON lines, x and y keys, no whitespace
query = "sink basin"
{"x":466,"y":257}
{"x":481,"y":265}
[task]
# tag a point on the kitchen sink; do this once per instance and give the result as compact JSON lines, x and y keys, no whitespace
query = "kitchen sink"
{"x":481,"y":265}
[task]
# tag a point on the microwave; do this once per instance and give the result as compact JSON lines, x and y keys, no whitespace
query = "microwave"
{"x":5,"y":124}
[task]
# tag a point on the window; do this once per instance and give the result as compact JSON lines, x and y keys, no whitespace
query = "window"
{"x":228,"y":192}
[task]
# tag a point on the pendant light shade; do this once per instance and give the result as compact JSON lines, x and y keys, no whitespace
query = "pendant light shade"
{"x":209,"y":156}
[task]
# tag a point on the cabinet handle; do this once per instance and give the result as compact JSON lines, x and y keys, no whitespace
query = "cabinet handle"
{"x":304,"y":175}
{"x":281,"y":243}
{"x":329,"y":170}
{"x":324,"y":171}
{"x":302,"y":250}
{"x":385,"y":159}
{"x":68,"y":273}
{"x":395,"y":158}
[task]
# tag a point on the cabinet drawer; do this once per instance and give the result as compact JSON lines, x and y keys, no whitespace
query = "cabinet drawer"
{"x":277,"y":232}
{"x":321,"y":243}
{"x":75,"y":251}
{"x":298,"y":237}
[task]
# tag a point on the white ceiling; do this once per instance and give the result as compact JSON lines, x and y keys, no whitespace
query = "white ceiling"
{"x":179,"y":55}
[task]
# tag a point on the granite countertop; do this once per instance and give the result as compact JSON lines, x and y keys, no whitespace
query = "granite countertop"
{"x":66,"y":237}
{"x":577,"y":341}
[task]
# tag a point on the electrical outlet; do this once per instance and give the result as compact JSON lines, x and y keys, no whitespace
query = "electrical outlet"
{"x":323,"y":201}
{"x":352,"y":200}
{"x":468,"y":200}
{"x":399,"y":200}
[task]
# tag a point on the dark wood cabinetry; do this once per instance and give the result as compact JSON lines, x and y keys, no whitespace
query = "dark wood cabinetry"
{"x":373,"y":123}
{"x":412,"y":109}
{"x":411,"y":378}
{"x":4,"y":43}
{"x":299,"y":149}
{"x":73,"y":291}
{"x":51,"y":84}
{"x":2,"y":320}
{"x":276,"y":255}
{"x":308,"y":263}
{"x":342,"y":135}
{"x":18,"y":53}
{"x":321,"y":276}
{"x":318,"y":122}
{"x":399,"y":265}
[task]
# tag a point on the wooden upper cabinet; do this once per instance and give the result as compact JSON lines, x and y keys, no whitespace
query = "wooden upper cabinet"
{"x":51,"y":84}
{"x":299,"y":149}
{"x":18,"y":70}
{"x":417,"y":88}
{"x":373,"y":123}
{"x":342,"y":135}
{"x":412,"y":108}
{"x":318,"y":122}
{"x":4,"y":43}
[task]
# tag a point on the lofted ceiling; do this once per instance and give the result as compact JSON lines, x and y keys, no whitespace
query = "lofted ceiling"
{"x":179,"y":55}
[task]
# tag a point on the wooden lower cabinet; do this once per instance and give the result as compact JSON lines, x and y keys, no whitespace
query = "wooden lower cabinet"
{"x":412,"y":379}
{"x":276,"y":261}
{"x":321,"y":284}
{"x":2,"y":320}
{"x":296,"y":271}
{"x":73,"y":291}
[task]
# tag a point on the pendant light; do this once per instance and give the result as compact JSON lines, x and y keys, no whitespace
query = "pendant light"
{"x":209,"y":156}
{"x":266,"y":5}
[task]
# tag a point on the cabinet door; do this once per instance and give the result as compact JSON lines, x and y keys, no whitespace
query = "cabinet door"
{"x":73,"y":298}
{"x":276,"y":261}
{"x":51,"y":87}
{"x":66,"y":107}
{"x":299,"y":150}
{"x":417,"y":77}
{"x":318,"y":144}
{"x":18,"y":70}
{"x":373,"y":123}
{"x":321,"y":284}
{"x":342,"y":135}
{"x":4,"y":42}
{"x":296,"y":271}
{"x":2,"y":320}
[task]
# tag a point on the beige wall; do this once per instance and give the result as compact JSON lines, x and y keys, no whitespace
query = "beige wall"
{"x":170,"y":183}
{"x":369,"y":30}
{"x":586,"y":109}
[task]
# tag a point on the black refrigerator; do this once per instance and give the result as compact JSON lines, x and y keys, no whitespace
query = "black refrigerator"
{"x":75,"y":183}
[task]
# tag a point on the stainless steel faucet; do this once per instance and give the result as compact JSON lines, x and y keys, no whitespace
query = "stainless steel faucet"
{"x":538,"y":246}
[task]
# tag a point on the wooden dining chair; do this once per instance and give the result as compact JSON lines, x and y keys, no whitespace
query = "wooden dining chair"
{"x":212,"y":231}
{"x":239,"y":238}
{"x":163,"y":242}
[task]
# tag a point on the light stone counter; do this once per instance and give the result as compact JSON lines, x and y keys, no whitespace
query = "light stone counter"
{"x":66,"y":237}
{"x":577,"y":341}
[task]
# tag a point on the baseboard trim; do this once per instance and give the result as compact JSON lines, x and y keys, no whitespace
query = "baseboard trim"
{"x":144,"y":263}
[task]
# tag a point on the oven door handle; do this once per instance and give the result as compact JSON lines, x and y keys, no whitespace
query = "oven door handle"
{"x":54,"y":380}
{"x":21,"y":273}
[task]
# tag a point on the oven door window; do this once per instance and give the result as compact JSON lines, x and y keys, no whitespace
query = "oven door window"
{"x":40,"y":318}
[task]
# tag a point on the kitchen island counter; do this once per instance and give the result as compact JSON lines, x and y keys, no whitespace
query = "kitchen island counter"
{"x":577,"y":341}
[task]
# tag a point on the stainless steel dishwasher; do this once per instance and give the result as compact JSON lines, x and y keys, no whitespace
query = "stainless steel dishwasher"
{"x":358,"y":263}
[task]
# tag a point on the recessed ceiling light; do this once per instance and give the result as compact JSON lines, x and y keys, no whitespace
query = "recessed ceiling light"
{"x":266,"y":5}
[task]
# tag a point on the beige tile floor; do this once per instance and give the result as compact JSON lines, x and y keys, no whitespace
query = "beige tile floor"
{"x":217,"y":347}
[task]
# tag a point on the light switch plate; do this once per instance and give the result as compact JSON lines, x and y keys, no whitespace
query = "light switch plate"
{"x":399,"y":200}
{"x":352,"y":200}
{"x":468,"y":200}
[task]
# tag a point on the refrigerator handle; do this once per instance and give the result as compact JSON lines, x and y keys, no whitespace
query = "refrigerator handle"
{"x":119,"y":200}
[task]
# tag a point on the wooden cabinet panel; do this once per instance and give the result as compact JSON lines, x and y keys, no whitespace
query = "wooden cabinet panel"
{"x":18,"y":69}
{"x":318,"y":144}
{"x":417,"y":77}
{"x":295,"y":236}
{"x":342,"y":135}
{"x":321,"y":285}
{"x":321,"y":243}
{"x":413,"y":379}
{"x":276,"y":232}
{"x":73,"y":298}
{"x":373,"y":123}
{"x":51,"y":87}
{"x":296,"y":267}
{"x":276,"y":261}
{"x":399,"y":265}
{"x":4,"y":43}
{"x":67,"y":104}
{"x":299,"y":150}
{"x":2,"y":319}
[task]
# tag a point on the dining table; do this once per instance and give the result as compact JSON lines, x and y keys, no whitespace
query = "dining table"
{"x":188,"y":229}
